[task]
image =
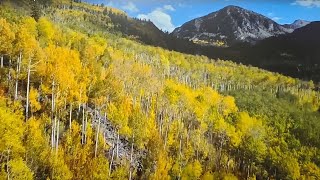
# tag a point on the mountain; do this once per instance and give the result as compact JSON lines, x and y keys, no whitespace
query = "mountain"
{"x":297,"y":24}
{"x":81,"y":100}
{"x":231,"y":24}
{"x":295,"y":54}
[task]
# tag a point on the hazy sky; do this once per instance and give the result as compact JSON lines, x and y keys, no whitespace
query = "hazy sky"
{"x":168,"y":14}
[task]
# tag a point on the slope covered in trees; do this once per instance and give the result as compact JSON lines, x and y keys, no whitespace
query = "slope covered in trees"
{"x":80,"y":102}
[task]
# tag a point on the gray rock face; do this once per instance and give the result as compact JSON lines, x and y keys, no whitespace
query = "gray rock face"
{"x":231,"y":24}
{"x":118,"y":147}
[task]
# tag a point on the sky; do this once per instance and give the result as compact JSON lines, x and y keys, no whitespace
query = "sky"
{"x":169,"y":14}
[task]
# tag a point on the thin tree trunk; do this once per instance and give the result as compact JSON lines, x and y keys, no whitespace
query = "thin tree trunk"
{"x":57,"y":140}
{"x":118,"y":144}
{"x":166,"y":138}
{"x":7,"y":169}
{"x":104,"y":140}
{"x":55,"y":131}
{"x":17,"y":78}
{"x":97,"y":139}
{"x":9,"y":78}
{"x":70,"y":116}
{"x":112,"y":156}
{"x":131,"y":157}
{"x":52,"y":116}
{"x":180,"y":154}
{"x":28,"y":89}
{"x":1,"y":59}
{"x":83,"y":126}
{"x":80,"y":102}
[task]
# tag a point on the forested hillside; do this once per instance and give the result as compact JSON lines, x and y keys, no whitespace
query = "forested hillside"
{"x":79,"y":101}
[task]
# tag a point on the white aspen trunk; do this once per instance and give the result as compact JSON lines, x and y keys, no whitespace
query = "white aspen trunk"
{"x":57,"y":140}
{"x":28,"y":89}
{"x":112,"y":157}
{"x":97,"y":139}
{"x":83,"y":126}
{"x":165,"y":138}
{"x":70,"y":116}
{"x":17,"y":78}
{"x":180,"y":154}
{"x":118,"y":144}
{"x":131,"y":157}
{"x":52,"y":135}
{"x":9,"y":78}
{"x":54,"y":129}
{"x":52,"y":117}
{"x":104,"y":140}
{"x":80,"y":101}
{"x":7,"y":168}
{"x":1,"y":61}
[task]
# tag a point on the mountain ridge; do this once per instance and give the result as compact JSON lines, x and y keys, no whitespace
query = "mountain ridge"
{"x":297,"y":24}
{"x":231,"y":24}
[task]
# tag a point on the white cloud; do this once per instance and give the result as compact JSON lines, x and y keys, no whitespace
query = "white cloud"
{"x":273,"y":16}
{"x":160,"y":18}
{"x":131,"y":7}
{"x":276,"y":18}
{"x":184,"y":5}
{"x":307,"y":3}
{"x":169,"y":8}
{"x":270,"y":14}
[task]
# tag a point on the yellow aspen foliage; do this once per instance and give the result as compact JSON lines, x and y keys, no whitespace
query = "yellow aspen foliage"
{"x":290,"y":166}
{"x":253,"y":134}
{"x":119,"y":115}
{"x":63,"y":67}
{"x":79,"y":157}
{"x":31,"y":25}
{"x":310,"y":171}
{"x":163,"y":166}
{"x":7,"y":36}
{"x":100,"y":168}
{"x":207,"y":176}
{"x":46,"y":31}
{"x":120,"y":173}
{"x":228,"y":105}
{"x":192,"y":171}
{"x":164,"y":110}
{"x":250,"y":126}
{"x":229,"y":177}
{"x":94,"y":48}
{"x":171,"y":93}
{"x":225,"y":128}
{"x":11,"y":131}
{"x":58,"y":167}
{"x":173,"y":134}
{"x":34,"y":103}
{"x":26,"y":38}
{"x":37,"y":148}
{"x":165,"y":64}
{"x":142,"y":126}
{"x":175,"y":170}
{"x":18,"y":170}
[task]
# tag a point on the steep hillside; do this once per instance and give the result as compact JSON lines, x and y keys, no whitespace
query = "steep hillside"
{"x":80,"y":101}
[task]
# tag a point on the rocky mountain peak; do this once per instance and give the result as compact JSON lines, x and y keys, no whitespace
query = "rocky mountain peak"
{"x":232,"y":24}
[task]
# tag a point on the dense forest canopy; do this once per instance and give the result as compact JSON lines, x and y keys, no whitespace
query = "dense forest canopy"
{"x":80,"y":101}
